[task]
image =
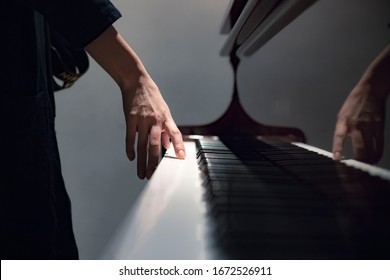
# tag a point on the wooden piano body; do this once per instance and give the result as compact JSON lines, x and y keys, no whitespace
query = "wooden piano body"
{"x":176,"y":217}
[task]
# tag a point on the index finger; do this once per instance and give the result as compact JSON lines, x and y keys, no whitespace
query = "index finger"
{"x":338,"y":140}
{"x":176,"y":137}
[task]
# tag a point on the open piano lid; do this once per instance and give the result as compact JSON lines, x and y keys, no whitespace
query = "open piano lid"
{"x":250,"y":24}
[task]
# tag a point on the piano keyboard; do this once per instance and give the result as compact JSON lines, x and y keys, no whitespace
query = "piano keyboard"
{"x":258,"y":200}
{"x":277,"y":200}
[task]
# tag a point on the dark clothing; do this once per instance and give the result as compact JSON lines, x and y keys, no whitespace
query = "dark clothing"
{"x":35,"y":208}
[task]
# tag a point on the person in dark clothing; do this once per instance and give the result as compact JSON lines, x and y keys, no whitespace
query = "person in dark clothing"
{"x":35,"y":208}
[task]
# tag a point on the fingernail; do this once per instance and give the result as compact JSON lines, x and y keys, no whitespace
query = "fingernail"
{"x":131,"y":156}
{"x":141,"y":175}
{"x":149,"y":174}
{"x":181,"y":154}
{"x":337,"y":156}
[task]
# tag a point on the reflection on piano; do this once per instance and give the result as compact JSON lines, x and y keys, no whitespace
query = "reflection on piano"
{"x":252,"y":191}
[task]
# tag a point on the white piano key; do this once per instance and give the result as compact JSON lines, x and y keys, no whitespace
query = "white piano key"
{"x":371,"y":169}
{"x":168,"y":220}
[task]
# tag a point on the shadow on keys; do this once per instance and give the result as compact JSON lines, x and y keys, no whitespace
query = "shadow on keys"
{"x":275,"y":200}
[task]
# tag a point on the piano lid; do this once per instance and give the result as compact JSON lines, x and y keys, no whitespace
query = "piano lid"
{"x":251,"y":24}
{"x":254,"y":22}
{"x":233,"y":12}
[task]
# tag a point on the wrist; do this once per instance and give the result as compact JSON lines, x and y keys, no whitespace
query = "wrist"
{"x":116,"y":57}
{"x":134,"y":81}
{"x":377,"y":75}
{"x":370,"y":85}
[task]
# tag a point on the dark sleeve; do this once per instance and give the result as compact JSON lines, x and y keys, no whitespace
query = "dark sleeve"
{"x":79,"y":21}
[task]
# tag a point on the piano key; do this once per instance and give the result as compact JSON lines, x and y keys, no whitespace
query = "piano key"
{"x":217,"y":208}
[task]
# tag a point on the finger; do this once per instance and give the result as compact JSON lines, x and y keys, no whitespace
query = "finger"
{"x":378,"y":130}
{"x":367,"y":132}
{"x":143,"y":132}
{"x":177,"y":139}
{"x":358,"y":145}
{"x":154,"y":150}
{"x":131,"y":129}
{"x":165,"y":140}
{"x":338,"y":140}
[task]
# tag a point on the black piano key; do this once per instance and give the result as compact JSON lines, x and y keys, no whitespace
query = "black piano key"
{"x":271,"y":197}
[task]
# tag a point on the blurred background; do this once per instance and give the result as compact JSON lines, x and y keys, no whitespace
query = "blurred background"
{"x":300,"y":78}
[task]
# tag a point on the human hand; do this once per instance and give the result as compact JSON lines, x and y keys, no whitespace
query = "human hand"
{"x":362,"y":118}
{"x":147,"y":113}
{"x":145,"y":110}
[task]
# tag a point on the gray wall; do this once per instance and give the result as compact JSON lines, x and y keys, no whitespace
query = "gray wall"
{"x":300,"y":79}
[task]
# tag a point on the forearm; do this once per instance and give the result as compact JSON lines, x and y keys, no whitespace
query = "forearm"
{"x":377,"y":75}
{"x":146,"y":113}
{"x":116,"y":57}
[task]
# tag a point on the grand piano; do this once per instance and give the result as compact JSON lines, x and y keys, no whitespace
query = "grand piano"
{"x":248,"y":190}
